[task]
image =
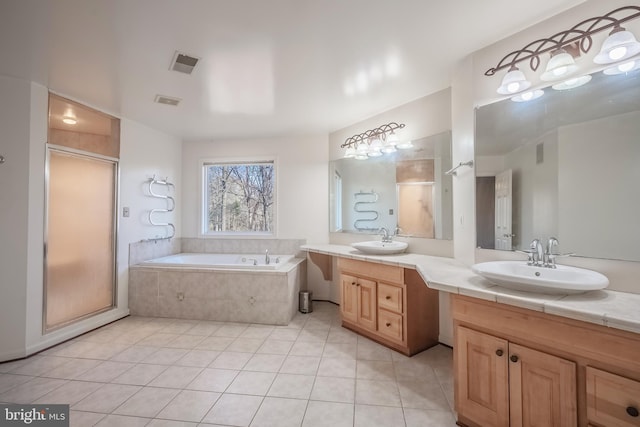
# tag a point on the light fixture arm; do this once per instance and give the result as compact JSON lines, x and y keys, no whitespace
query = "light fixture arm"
{"x":380,"y":131}
{"x":578,"y":37}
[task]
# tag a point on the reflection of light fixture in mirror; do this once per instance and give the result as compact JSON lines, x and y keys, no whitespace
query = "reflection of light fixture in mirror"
{"x":361,"y":156}
{"x":528,"y":96}
{"x":349,"y":153}
{"x":572,"y":83}
{"x":620,"y":45}
{"x":624,"y":67}
{"x":70,"y":120}
{"x":560,"y":65}
{"x":513,"y":82}
{"x":405,"y":145}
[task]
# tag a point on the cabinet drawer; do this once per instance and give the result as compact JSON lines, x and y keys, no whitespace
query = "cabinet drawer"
{"x":390,"y":325}
{"x":387,"y":273}
{"x":612,"y":400}
{"x":390,"y":297}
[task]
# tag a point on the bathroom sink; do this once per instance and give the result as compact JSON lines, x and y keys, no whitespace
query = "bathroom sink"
{"x":378,"y":247}
{"x":560,"y":280}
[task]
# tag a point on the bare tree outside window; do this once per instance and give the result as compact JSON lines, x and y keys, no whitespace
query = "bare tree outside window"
{"x":239,"y":197}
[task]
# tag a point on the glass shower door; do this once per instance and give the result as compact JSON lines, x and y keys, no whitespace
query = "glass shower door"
{"x":80,"y":247}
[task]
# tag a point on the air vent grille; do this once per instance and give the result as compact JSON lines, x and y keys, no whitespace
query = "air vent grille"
{"x":167,"y":100}
{"x":184,"y":63}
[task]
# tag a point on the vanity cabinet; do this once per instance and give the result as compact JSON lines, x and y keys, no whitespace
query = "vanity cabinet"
{"x":518,"y":367}
{"x":505,"y":384}
{"x":389,"y":304}
{"x":359,"y":301}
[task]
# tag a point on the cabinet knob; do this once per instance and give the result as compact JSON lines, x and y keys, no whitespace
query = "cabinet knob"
{"x":632,"y":411}
{"x":499,"y":352}
{"x":389,"y":324}
{"x":514,"y":358}
{"x":353,"y":283}
{"x":357,"y":284}
{"x":388,"y":297}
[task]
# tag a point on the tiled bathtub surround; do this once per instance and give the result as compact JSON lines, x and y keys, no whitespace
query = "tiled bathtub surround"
{"x":168,"y":372}
{"x":146,"y":250}
{"x":244,"y":246}
{"x":269,"y":297}
{"x":240,"y":296}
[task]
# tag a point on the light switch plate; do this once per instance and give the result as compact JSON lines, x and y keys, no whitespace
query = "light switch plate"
{"x":125,"y":212}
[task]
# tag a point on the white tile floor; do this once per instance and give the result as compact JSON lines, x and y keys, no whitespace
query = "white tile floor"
{"x":168,"y":372}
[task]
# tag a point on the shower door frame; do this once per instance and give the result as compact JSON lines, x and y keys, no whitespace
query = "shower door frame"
{"x":114,"y":226}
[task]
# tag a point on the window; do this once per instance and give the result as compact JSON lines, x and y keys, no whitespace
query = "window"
{"x":239,"y":197}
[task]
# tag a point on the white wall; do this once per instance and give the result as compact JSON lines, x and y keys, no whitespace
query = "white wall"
{"x":14,"y":204}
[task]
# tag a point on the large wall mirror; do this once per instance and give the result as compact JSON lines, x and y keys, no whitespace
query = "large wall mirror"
{"x":406,"y":192}
{"x":565,"y":165}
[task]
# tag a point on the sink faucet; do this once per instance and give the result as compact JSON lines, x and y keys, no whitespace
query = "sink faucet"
{"x":385,"y":234}
{"x":267,"y":260}
{"x":537,"y":252}
{"x":549,"y":256}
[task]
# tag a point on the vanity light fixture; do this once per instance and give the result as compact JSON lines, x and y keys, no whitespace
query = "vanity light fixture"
{"x":405,"y":145}
{"x":620,"y":45}
{"x":567,"y":45}
{"x":513,"y":82}
{"x":373,"y":143}
{"x":559,"y":66}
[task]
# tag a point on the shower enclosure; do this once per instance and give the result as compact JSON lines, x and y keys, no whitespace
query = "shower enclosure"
{"x":80,"y":231}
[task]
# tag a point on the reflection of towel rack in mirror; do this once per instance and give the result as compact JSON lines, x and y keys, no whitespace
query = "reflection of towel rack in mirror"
{"x":454,"y":170}
{"x":170,"y":200}
{"x":360,"y":207}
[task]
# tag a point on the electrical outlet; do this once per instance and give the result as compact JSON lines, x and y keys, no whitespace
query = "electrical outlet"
{"x":125,"y":212}
{"x":180,"y":296}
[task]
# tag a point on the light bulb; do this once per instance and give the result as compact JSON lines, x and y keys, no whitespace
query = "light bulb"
{"x":627,"y":66}
{"x":513,"y":87}
{"x":618,"y":53}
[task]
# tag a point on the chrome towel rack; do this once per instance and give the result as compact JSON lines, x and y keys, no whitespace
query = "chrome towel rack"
{"x":171,"y":205}
{"x":453,"y":170}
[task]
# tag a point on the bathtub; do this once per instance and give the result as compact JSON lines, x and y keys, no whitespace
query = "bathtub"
{"x":218,"y":287}
{"x":223,"y":261}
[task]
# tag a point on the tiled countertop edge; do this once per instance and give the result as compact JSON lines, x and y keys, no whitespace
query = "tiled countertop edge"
{"x":614,"y":309}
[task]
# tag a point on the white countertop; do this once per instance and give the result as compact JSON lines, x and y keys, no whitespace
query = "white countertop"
{"x":614,"y":309}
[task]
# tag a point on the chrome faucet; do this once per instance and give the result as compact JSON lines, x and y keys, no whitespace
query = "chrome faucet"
{"x":385,"y":234}
{"x":267,"y":259}
{"x":537,"y":253}
{"x":549,"y":256}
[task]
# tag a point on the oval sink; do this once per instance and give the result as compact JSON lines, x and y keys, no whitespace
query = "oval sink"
{"x":378,"y":247}
{"x":522,"y":277}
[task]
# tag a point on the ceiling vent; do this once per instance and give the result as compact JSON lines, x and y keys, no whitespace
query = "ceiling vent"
{"x":167,"y":100}
{"x":183,"y":63}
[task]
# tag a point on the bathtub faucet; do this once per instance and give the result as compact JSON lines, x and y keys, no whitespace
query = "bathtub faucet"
{"x":267,"y":260}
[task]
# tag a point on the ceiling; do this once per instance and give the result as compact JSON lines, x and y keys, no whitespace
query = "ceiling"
{"x":267,"y":68}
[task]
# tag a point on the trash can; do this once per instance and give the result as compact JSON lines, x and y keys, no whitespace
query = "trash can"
{"x":304,"y":302}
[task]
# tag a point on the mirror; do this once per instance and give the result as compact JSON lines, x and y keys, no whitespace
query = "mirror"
{"x":565,"y":165}
{"x":406,"y":192}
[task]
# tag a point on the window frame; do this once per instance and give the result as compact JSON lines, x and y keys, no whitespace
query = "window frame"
{"x":202,"y":227}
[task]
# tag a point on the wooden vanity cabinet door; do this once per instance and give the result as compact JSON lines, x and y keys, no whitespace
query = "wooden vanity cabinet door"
{"x":482,"y":377}
{"x":367,"y":303}
{"x":612,"y":400}
{"x":542,"y":389}
{"x":349,"y":303}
